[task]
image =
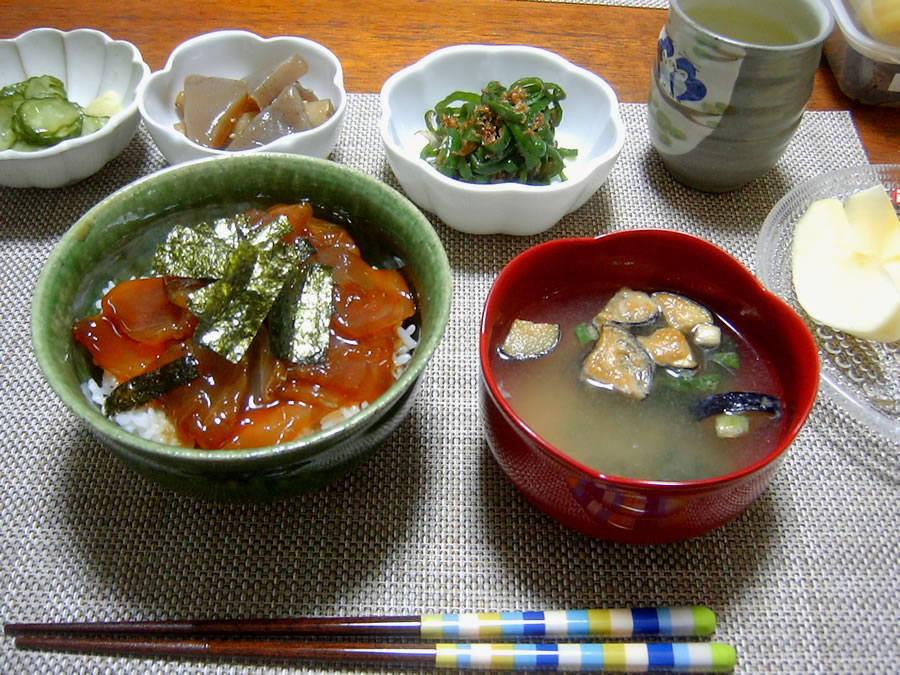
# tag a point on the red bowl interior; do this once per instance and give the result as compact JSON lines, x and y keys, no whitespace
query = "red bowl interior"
{"x":645,"y":259}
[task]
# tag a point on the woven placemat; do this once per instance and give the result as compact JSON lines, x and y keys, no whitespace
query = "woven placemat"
{"x":806,"y":581}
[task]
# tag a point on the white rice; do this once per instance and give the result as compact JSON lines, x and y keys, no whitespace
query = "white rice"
{"x":147,"y":422}
{"x":341,"y":414}
{"x":403,"y":348}
{"x":153,"y":424}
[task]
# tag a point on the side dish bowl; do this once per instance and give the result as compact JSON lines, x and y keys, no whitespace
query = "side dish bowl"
{"x":113,"y":241}
{"x":622,"y":508}
{"x":236,"y":54}
{"x":591,"y":123}
{"x":90,"y":64}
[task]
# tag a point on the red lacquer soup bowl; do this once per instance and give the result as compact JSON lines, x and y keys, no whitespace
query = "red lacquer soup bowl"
{"x":621,"y":508}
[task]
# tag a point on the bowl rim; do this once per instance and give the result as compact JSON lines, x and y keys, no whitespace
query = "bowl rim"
{"x":248,"y":36}
{"x":705,"y":484}
{"x":224,"y":460}
{"x":127,"y":111}
{"x":557,"y":186}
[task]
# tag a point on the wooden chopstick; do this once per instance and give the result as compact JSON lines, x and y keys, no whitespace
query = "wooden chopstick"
{"x":245,"y":648}
{"x":589,"y":623}
{"x":616,"y":656}
{"x":362,"y":625}
{"x":255,"y":638}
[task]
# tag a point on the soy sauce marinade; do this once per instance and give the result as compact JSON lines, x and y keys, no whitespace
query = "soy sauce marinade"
{"x":255,"y":396}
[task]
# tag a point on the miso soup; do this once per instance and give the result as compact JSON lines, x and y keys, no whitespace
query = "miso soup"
{"x":656,"y":437}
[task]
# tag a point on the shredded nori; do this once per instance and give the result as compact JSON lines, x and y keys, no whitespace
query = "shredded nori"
{"x":191,"y":253}
{"x":305,"y":249}
{"x":299,"y":320}
{"x":252,"y":270}
{"x":232,"y":309}
{"x":149,"y":386}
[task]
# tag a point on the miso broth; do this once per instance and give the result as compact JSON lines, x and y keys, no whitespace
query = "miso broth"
{"x":656,"y":438}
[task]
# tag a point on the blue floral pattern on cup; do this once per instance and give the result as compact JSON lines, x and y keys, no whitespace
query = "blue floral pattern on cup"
{"x":677,"y":74}
{"x":692,"y":82}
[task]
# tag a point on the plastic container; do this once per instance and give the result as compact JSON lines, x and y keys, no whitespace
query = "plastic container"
{"x":864,"y":50}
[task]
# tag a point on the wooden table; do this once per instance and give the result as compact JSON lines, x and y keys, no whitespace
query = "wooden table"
{"x":374,"y":38}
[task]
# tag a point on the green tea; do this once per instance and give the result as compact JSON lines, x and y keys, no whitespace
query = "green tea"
{"x":746,"y":24}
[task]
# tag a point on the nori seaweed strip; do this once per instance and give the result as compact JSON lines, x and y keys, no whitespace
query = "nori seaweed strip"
{"x":150,"y":386}
{"x":304,"y":250}
{"x":270,"y":234}
{"x":230,"y":332}
{"x":300,"y":319}
{"x":229,"y":229}
{"x":230,"y":315}
{"x":273,"y":268}
{"x":192,"y":253}
{"x":210,"y":301}
{"x":202,"y":252}
{"x":232,"y":309}
{"x":250,"y":265}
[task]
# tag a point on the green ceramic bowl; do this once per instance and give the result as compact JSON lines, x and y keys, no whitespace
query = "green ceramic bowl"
{"x":116,"y":238}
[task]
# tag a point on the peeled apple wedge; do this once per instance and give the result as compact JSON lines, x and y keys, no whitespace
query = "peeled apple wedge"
{"x":846,"y":265}
{"x":874,"y":229}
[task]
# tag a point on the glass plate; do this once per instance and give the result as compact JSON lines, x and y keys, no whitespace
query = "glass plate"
{"x":861,"y":376}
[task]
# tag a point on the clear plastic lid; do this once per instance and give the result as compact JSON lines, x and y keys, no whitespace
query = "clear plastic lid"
{"x":871,"y":27}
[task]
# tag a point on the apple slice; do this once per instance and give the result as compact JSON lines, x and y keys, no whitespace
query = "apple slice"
{"x":875,"y":228}
{"x":836,"y":284}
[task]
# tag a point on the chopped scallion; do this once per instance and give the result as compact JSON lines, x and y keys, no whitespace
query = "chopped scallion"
{"x":688,"y":381}
{"x":586,"y":332}
{"x":727,"y":359}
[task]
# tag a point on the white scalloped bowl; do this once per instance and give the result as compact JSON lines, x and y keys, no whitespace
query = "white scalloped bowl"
{"x":236,"y":54}
{"x":591,"y":123}
{"x":90,"y":64}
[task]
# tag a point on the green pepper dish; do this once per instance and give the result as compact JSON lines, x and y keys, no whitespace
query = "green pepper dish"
{"x":499,"y":136}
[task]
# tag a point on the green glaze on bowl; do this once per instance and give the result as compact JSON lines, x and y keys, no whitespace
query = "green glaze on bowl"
{"x":115,"y":239}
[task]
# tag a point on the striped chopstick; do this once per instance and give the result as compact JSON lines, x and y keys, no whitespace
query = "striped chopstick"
{"x":610,"y":657}
{"x":587,"y":623}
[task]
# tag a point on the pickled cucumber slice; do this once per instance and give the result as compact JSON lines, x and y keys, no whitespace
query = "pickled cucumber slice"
{"x":92,"y":123}
{"x":35,"y":114}
{"x":41,"y":86}
{"x":47,"y":121}
{"x":8,"y":105}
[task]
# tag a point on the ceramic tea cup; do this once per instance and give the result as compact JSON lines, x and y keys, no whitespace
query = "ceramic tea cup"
{"x":730,"y":84}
